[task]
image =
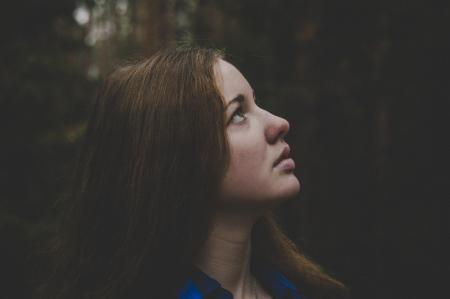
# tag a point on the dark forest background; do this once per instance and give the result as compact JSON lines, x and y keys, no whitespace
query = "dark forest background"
{"x":364,"y":84}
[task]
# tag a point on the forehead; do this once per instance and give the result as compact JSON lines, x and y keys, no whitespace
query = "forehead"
{"x":230,"y":80}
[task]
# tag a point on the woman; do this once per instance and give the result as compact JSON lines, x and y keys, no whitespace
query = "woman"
{"x":172,"y":199}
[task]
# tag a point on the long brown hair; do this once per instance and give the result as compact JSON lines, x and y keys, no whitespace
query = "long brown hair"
{"x":154,"y":154}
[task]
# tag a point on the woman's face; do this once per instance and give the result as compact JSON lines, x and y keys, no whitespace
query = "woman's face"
{"x":256,"y":142}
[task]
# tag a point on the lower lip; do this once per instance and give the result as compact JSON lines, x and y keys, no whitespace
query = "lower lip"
{"x":286,"y":164}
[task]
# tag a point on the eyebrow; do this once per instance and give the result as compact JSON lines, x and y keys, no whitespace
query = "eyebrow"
{"x":238,"y":99}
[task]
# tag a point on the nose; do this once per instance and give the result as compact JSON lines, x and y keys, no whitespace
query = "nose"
{"x":276,"y":128}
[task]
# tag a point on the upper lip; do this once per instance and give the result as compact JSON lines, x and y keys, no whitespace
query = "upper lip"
{"x":284,"y":155}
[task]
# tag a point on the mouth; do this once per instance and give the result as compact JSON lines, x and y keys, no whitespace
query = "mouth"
{"x":284,"y":155}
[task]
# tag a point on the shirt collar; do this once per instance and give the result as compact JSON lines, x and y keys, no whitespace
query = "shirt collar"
{"x":199,"y":285}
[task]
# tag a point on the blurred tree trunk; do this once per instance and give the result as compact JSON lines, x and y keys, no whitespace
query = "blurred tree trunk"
{"x":153,"y":27}
{"x":121,"y":29}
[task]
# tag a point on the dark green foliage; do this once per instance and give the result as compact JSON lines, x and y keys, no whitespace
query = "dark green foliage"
{"x":43,"y":98}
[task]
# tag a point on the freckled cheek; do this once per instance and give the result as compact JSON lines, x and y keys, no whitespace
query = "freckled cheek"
{"x":247,"y":174}
{"x":248,"y":159}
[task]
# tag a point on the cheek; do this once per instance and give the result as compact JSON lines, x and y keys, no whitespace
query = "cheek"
{"x":247,"y":158}
{"x":248,"y":154}
{"x":248,"y":171}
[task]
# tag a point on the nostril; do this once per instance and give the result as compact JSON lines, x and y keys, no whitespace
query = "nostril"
{"x":276,"y":129}
{"x":283,"y":136}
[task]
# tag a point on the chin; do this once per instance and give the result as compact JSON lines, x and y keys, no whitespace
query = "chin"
{"x":289,"y":188}
{"x":268,"y":196}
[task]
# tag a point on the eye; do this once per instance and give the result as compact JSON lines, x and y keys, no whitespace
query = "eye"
{"x":238,"y":113}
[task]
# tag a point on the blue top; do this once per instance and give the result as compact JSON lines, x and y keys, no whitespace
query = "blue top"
{"x":200,"y":286}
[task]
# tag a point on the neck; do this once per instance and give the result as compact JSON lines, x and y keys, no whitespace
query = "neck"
{"x":226,"y":254}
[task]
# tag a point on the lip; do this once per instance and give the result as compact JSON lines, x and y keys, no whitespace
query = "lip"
{"x":284,"y":155}
{"x":286,"y":164}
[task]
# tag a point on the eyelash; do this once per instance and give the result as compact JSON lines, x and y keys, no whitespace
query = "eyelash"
{"x":239,"y":110}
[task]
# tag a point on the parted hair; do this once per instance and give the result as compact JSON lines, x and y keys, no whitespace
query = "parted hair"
{"x":145,"y":185}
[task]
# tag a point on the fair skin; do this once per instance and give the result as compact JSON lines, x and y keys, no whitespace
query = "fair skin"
{"x":252,"y":185}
